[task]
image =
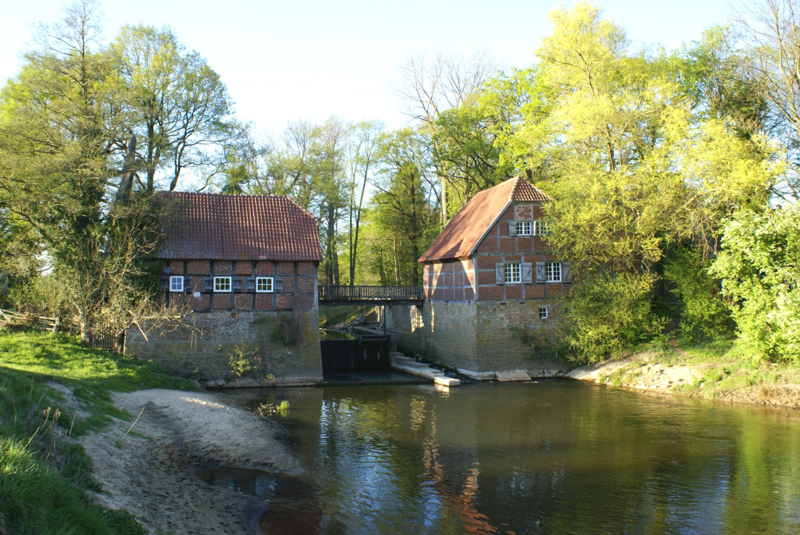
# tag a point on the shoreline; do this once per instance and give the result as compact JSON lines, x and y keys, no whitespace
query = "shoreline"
{"x":648,"y":372}
{"x":146,"y":467}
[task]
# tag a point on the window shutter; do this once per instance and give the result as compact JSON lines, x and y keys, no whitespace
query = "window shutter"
{"x":540,"y":272}
{"x":566,"y":271}
{"x":250,"y":284}
{"x":527,"y":275}
{"x":165,"y":283}
{"x":208,"y":284}
{"x":512,"y":228}
{"x":187,"y":284}
{"x":499,"y":273}
{"x":278,"y":285}
{"x":536,"y":230}
{"x":237,"y":284}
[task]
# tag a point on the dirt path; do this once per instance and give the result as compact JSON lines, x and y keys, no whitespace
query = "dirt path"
{"x":146,"y":471}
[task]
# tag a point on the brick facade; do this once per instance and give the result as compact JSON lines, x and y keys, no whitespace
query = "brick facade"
{"x":474,"y":278}
{"x":294,"y":285}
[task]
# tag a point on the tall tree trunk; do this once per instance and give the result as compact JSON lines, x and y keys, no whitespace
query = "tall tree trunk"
{"x":126,"y":184}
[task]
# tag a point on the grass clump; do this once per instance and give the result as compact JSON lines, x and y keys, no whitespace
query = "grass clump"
{"x":44,"y":473}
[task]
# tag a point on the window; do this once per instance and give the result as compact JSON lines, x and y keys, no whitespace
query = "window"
{"x":543,"y":313}
{"x":541,"y":228}
{"x":552,"y":272}
{"x":512,"y":272}
{"x":175,"y":284}
{"x":524,"y":228}
{"x":222,"y":284}
{"x":264,"y":285}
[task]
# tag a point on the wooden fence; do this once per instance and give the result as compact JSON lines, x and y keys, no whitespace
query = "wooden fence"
{"x":17,"y":319}
{"x":370,"y":294}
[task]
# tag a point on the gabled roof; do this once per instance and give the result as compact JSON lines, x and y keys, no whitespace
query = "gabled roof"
{"x":206,"y":226}
{"x":465,"y":231}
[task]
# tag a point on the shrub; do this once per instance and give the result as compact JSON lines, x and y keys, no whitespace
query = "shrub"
{"x":760,"y":268}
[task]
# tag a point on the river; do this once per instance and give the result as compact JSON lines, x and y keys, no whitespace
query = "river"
{"x":546,"y":457}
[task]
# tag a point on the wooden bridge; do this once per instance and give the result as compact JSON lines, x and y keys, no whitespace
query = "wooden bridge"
{"x":370,"y":295}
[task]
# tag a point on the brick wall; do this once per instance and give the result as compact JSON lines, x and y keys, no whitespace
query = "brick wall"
{"x":480,"y":337}
{"x":202,"y":348}
{"x":299,"y":285}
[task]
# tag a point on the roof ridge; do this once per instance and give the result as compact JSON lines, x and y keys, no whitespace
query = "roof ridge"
{"x":514,"y":189}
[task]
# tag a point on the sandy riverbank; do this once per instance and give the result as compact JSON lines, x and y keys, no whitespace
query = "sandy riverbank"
{"x":146,"y":471}
{"x":644,"y":371}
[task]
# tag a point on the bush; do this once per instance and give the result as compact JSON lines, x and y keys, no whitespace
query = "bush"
{"x":704,"y":314}
{"x":760,"y":268}
{"x":610,"y":313}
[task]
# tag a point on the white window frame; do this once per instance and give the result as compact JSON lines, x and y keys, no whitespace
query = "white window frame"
{"x":544,"y":313}
{"x":541,"y":228}
{"x":176,"y":283}
{"x":524,"y":228}
{"x":512,"y":273}
{"x":552,"y":271}
{"x":269,"y":285}
{"x":223,"y":284}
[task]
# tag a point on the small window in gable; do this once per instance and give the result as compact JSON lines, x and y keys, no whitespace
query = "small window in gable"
{"x":175,"y":284}
{"x":264,"y":285}
{"x":524,"y":228}
{"x":512,"y":273}
{"x":222,"y":284}
{"x":543,"y":313}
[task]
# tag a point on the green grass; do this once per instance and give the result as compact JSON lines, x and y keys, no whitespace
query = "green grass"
{"x":43,"y":475}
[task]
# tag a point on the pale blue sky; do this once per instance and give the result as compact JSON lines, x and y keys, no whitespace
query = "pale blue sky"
{"x":286,"y":60}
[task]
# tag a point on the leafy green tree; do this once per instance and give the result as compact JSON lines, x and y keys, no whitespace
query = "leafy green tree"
{"x":403,"y":212}
{"x":175,"y":103}
{"x":65,"y":132}
{"x":760,"y":268}
{"x":361,"y":155}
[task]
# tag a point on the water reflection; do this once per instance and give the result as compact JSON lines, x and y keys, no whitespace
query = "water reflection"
{"x":553,"y":457}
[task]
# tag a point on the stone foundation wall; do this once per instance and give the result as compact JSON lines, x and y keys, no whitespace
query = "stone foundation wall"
{"x":479,"y":337}
{"x":283,"y":344}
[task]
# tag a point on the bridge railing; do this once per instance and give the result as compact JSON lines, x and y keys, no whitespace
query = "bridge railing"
{"x":371,"y":293}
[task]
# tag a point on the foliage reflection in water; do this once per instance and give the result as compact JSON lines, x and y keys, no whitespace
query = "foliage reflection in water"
{"x":552,"y":457}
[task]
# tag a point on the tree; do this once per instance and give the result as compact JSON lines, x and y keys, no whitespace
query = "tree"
{"x":61,"y":126}
{"x":769,"y":29}
{"x":403,"y":212}
{"x":429,"y":90}
{"x":360,"y":162}
{"x":176,"y":104}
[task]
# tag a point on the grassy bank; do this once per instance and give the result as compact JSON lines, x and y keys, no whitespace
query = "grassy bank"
{"x":44,"y":474}
{"x":721,"y":369}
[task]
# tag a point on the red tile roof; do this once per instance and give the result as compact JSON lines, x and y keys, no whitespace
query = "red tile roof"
{"x":206,"y":226}
{"x":465,"y":231}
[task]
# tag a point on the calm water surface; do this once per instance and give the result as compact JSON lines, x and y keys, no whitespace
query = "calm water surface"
{"x":547,"y":457}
